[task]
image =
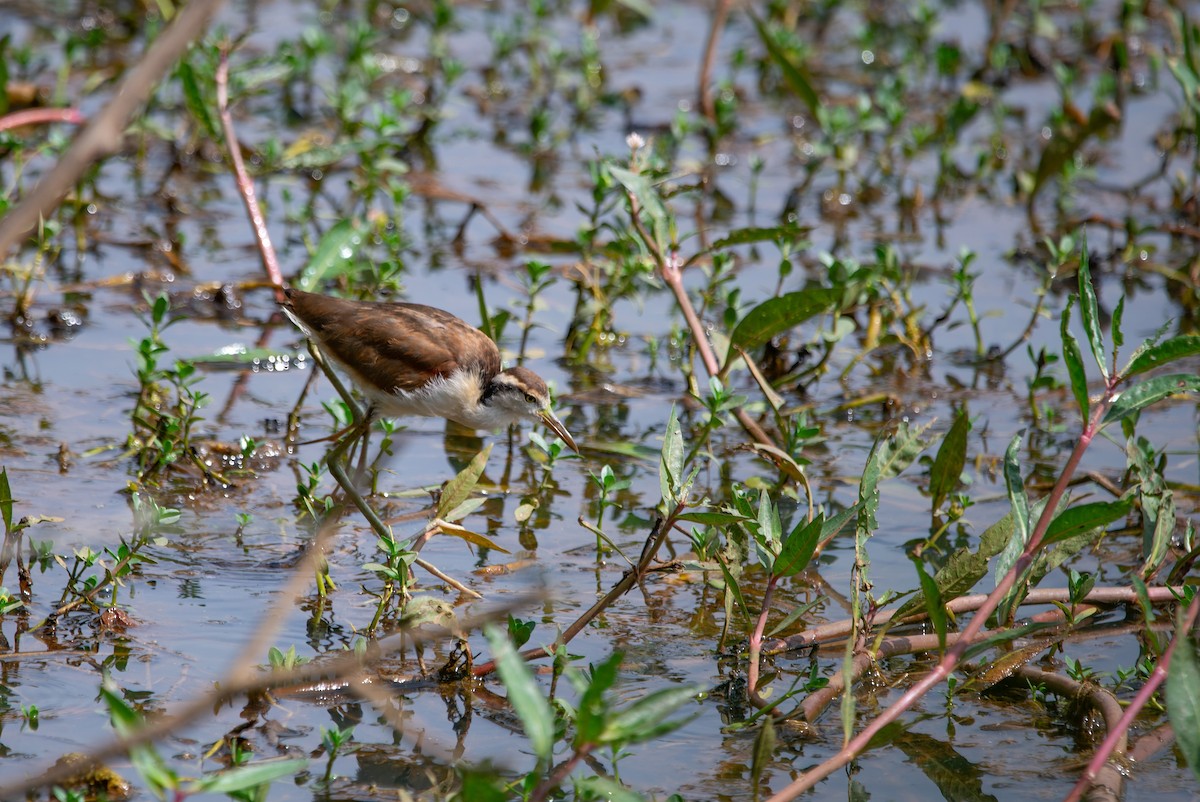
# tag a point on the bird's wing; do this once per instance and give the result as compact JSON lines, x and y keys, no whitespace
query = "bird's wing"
{"x":397,"y":346}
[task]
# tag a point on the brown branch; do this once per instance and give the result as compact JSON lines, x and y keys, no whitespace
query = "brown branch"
{"x":966,"y":604}
{"x":103,"y":135}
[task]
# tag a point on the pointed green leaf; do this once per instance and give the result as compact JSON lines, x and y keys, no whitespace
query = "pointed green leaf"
{"x":777,"y":315}
{"x":193,"y":98}
{"x":796,"y":614}
{"x":897,"y":452}
{"x":1163,"y":353}
{"x":951,"y":458}
{"x":459,"y":488}
{"x":789,"y":232}
{"x":6,"y":500}
{"x":1117,"y":316}
{"x":1183,"y":697}
{"x":1084,"y":518}
{"x":838,"y":522}
{"x":798,"y":549}
{"x":593,"y":712}
{"x":712,"y":518}
{"x":794,"y":74}
{"x":524,"y":694}
{"x":961,"y":572}
{"x":1019,"y":503}
{"x":734,"y":589}
{"x":1151,"y":391}
{"x":670,"y":467}
{"x":1156,"y":538}
{"x":1073,"y":359}
{"x":934,"y":606}
{"x":763,"y":753}
{"x":244,"y":778}
{"x":769,"y":532}
{"x":1089,"y":310}
{"x":648,"y":717}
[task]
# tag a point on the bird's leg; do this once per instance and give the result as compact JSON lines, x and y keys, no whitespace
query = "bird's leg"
{"x":360,"y":426}
{"x":356,"y":415}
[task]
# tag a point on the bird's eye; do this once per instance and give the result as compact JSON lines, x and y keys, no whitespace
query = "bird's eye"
{"x":530,"y":399}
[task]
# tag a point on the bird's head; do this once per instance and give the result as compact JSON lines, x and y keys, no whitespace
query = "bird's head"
{"x":520,"y":394}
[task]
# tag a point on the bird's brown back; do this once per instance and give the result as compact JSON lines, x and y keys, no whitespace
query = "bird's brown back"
{"x":394,"y":346}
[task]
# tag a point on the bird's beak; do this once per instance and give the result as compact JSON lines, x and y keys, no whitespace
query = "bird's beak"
{"x":556,"y":426}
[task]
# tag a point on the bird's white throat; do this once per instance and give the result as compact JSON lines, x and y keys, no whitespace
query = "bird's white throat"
{"x":455,"y":397}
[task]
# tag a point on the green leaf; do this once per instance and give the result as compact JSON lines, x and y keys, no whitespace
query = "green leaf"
{"x":334,"y":255}
{"x":524,"y":694}
{"x":640,"y":187}
{"x":897,"y":452}
{"x":777,"y":315}
{"x":459,"y":488}
{"x":244,"y":778}
{"x":746,"y":236}
{"x":1089,"y":310}
{"x":1019,"y":503}
{"x":1158,"y":527}
{"x":934,"y":605}
{"x":769,"y":533}
{"x":193,"y":99}
{"x":670,"y":466}
{"x":1117,"y":316}
{"x":1084,"y":518}
{"x":794,"y":74}
{"x":951,"y":458}
{"x":798,"y":549}
{"x":763,"y":752}
{"x":1151,"y":391}
{"x":648,"y":717}
{"x":1073,"y":358}
{"x":713,"y":518}
{"x":592,"y":715}
{"x":6,"y":500}
{"x":1183,"y":696}
{"x":795,"y":614}
{"x":733,"y":589}
{"x":1163,"y":353}
{"x":961,"y":572}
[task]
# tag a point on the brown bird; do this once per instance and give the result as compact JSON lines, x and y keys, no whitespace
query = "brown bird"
{"x":412,"y":359}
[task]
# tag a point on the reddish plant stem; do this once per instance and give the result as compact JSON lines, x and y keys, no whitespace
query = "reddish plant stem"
{"x":245,"y":184}
{"x":41,"y":117}
{"x":671,"y":268}
{"x":954,"y":655}
{"x":720,"y":15}
{"x":756,"y":641}
{"x":559,"y":774}
{"x":1112,"y":742}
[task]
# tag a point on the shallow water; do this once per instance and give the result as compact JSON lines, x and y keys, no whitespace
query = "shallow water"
{"x":210,"y":583}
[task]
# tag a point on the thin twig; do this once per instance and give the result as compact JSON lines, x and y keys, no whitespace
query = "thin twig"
{"x":245,"y":184}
